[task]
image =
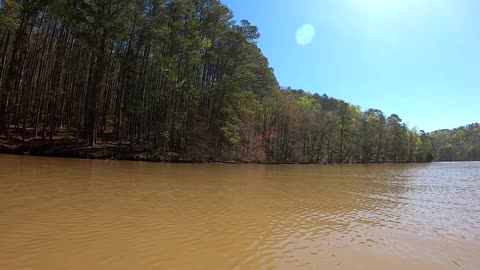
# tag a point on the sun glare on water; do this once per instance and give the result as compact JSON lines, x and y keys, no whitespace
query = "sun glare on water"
{"x":305,"y":34}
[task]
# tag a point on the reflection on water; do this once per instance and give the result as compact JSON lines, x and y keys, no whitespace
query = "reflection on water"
{"x":77,"y":214}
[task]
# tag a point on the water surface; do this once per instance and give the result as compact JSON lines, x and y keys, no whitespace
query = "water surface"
{"x":83,"y":214}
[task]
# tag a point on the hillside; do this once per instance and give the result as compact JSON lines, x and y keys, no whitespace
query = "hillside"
{"x":172,"y":80}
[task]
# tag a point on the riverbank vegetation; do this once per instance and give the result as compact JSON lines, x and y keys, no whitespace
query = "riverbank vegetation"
{"x":460,"y":144}
{"x":177,"y":78}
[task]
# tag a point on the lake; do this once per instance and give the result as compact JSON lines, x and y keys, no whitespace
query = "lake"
{"x":92,"y":214}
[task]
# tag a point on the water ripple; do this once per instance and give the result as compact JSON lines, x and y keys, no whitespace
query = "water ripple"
{"x":74,"y":214}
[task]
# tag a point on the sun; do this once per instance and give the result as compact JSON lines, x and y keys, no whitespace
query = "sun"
{"x":382,"y":5}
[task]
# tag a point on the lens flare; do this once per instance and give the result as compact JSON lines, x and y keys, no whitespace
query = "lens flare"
{"x":305,"y":34}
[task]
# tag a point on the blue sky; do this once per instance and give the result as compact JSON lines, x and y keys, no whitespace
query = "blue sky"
{"x":417,"y":58}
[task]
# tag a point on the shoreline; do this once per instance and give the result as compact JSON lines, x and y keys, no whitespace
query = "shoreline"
{"x":68,"y":148}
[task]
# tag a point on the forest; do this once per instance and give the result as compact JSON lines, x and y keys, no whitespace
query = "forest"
{"x":460,"y":144}
{"x":181,"y":79}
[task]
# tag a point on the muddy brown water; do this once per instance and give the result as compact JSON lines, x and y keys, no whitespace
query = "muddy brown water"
{"x":84,"y":214}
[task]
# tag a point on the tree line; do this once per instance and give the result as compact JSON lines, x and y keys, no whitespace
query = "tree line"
{"x":175,"y":76}
{"x":460,"y":144}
